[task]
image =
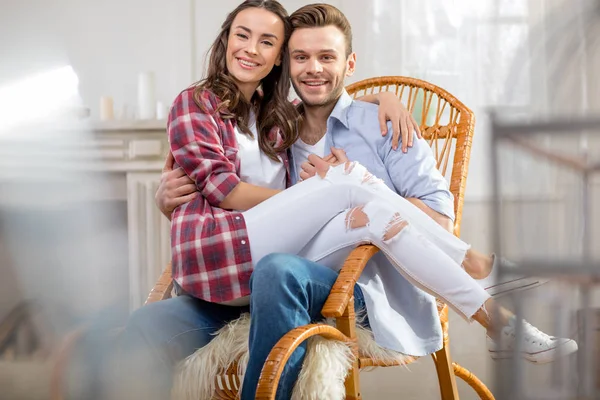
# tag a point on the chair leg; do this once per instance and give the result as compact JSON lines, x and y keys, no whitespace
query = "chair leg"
{"x":445,"y":371}
{"x":352,"y":383}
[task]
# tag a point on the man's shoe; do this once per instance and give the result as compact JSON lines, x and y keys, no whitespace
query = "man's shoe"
{"x":511,"y":282}
{"x":537,"y":347}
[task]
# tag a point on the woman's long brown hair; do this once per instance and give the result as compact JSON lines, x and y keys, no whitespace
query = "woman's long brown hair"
{"x":272,"y":107}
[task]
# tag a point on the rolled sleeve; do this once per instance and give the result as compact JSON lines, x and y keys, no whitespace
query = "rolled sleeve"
{"x":415,"y":174}
{"x":197,"y":147}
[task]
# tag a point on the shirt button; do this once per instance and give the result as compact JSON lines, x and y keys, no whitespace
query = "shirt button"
{"x":243,"y":242}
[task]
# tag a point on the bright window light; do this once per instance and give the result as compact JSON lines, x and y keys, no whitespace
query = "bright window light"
{"x":37,"y":97}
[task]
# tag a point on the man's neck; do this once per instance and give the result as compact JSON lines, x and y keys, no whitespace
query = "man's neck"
{"x":314,"y":125}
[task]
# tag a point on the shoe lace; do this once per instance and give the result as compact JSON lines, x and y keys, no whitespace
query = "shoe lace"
{"x":533,"y":334}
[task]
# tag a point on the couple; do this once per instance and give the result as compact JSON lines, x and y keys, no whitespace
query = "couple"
{"x":230,"y":137}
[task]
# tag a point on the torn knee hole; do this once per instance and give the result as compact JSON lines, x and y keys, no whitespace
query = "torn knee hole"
{"x":356,"y":218}
{"x":394,"y":227}
{"x":371,"y":179}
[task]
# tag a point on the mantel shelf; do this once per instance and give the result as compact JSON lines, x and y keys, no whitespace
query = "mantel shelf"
{"x":118,"y":125}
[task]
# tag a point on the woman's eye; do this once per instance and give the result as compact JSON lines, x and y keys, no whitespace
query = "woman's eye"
{"x":268,"y":43}
{"x":241,"y":35}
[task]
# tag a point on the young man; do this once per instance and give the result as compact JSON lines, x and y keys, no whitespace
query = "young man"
{"x":289,"y":291}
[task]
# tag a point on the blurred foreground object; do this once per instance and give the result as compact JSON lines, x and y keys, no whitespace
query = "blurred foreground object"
{"x":546,"y":198}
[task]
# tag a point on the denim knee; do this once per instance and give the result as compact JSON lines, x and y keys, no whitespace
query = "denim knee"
{"x":277,"y":267}
{"x":146,"y":317}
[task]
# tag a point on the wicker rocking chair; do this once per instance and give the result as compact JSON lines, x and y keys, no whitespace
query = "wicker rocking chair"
{"x":448,"y":125}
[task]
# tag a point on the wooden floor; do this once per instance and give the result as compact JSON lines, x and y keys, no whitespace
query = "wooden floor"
{"x":21,"y":380}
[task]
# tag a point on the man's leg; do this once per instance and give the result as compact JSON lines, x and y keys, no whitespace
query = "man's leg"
{"x":159,"y":335}
{"x":287,"y":292}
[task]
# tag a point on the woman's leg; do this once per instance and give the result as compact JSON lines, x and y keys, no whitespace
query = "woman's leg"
{"x":425,"y":254}
{"x":499,"y":322}
{"x":345,"y":226}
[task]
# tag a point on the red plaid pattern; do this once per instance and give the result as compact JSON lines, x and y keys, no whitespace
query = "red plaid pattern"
{"x":210,"y":246}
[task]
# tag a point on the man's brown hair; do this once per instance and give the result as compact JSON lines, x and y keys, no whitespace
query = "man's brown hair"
{"x":321,"y":15}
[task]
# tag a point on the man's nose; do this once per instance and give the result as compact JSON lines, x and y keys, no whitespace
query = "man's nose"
{"x":315,"y":67}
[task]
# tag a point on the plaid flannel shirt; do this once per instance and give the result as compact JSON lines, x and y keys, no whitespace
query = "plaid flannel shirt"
{"x":211,"y":256}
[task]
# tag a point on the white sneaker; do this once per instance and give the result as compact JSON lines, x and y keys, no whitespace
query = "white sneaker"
{"x":510,"y":282}
{"x":537,"y":347}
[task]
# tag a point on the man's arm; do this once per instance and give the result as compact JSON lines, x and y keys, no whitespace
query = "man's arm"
{"x":443,"y":220}
{"x":415,"y":177}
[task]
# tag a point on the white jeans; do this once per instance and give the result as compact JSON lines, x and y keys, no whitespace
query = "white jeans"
{"x":310,"y":219}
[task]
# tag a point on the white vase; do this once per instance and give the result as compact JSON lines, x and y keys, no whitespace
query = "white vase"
{"x":146,"y":96}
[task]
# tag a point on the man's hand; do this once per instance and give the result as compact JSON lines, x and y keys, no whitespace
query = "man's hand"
{"x":175,"y":188}
{"x":403,"y":123}
{"x":319,"y":166}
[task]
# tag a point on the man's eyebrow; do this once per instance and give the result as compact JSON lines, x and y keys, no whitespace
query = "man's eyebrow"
{"x":320,"y":51}
{"x":264,"y":34}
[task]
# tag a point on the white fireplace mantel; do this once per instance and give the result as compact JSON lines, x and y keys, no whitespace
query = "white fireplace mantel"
{"x":138,"y":149}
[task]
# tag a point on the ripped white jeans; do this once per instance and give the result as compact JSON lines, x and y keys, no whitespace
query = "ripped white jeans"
{"x":313,"y":219}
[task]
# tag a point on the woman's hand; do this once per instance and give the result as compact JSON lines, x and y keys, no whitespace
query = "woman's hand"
{"x":403,"y":123}
{"x":319,"y":166}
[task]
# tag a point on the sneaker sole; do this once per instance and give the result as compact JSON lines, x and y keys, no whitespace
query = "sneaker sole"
{"x":515,"y":285}
{"x":542,"y":357}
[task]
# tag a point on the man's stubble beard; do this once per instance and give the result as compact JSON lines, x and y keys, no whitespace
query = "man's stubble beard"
{"x":331,"y":98}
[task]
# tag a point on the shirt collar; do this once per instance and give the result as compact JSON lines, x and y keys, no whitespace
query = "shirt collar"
{"x":340,"y":111}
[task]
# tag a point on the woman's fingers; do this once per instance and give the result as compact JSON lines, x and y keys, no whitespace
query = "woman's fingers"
{"x":321,"y":166}
{"x":340,"y":154}
{"x":308,"y":169}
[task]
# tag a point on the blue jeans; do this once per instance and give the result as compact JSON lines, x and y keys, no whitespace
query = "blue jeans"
{"x":287,"y":292}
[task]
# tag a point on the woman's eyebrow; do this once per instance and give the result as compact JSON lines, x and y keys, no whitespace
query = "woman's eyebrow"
{"x":250,"y":31}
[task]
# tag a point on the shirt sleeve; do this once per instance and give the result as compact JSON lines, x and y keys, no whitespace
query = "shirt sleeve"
{"x":197,"y":146}
{"x":415,"y":174}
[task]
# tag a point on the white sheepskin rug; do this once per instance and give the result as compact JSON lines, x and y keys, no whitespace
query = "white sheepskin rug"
{"x":323,"y":372}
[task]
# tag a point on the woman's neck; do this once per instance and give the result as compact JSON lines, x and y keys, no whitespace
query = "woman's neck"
{"x":247,"y":90}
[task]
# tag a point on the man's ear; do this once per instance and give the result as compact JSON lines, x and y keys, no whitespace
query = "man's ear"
{"x":351,"y":64}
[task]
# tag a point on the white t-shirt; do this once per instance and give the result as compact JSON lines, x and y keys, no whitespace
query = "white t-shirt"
{"x":301,"y":151}
{"x":255,"y":167}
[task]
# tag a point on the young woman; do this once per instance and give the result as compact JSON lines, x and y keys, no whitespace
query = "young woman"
{"x":230,"y":133}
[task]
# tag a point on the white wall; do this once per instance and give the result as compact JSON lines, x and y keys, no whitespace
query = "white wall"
{"x":475,"y":49}
{"x":108,"y":43}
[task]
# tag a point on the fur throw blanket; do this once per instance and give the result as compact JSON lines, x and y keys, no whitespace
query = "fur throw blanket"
{"x":323,"y":372}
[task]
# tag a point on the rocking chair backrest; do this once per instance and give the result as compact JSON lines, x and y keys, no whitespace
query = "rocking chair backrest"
{"x":446,"y":123}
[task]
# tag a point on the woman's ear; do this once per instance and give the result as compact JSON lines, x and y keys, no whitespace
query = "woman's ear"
{"x":278,"y":61}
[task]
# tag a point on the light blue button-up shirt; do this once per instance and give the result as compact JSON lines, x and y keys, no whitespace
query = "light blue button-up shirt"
{"x":402,"y":316}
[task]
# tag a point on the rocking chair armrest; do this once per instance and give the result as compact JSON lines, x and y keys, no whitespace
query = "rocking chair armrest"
{"x":343,"y":289}
{"x":163,"y":287}
{"x":283,"y":349}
